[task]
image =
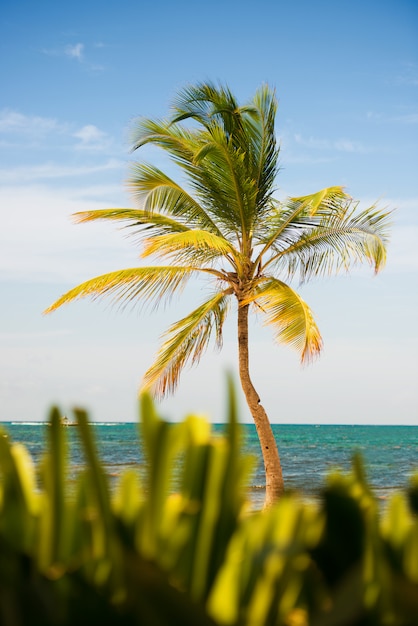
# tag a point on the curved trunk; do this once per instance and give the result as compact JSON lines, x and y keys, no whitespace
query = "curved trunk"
{"x":272,"y":466}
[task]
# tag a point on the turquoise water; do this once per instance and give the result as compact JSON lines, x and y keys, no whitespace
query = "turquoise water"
{"x":307,"y":452}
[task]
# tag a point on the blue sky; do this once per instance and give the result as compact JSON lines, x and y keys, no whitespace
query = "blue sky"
{"x":75,"y":75}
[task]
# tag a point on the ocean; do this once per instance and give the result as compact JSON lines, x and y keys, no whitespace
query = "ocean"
{"x":308,"y":452}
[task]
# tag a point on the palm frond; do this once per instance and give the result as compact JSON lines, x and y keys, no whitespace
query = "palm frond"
{"x":326,"y":201}
{"x":289,"y":220}
{"x":186,"y":341}
{"x":229,"y":157}
{"x":174,"y":138}
{"x":224,"y":183}
{"x":261,"y":145}
{"x":180,"y":143}
{"x":206,"y":102}
{"x":213,"y":180}
{"x":193,"y":245}
{"x":138,"y":220}
{"x":338,"y":243}
{"x":130,"y":286}
{"x":154,"y":190}
{"x":289,"y":315}
{"x":241,"y":144}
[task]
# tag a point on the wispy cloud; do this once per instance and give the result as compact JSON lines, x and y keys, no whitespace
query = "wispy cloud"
{"x":340,"y":145}
{"x":17,"y":127}
{"x":410,"y":117}
{"x":75,"y":51}
{"x":40,"y":240}
{"x":306,"y":159}
{"x":91,"y":138}
{"x":15,"y":122}
{"x":408,"y":75}
{"x":23,"y":336}
{"x":403,"y":251}
{"x":46,"y":171}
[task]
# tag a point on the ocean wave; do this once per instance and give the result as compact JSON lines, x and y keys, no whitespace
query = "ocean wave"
{"x":111,"y":423}
{"x":26,"y":423}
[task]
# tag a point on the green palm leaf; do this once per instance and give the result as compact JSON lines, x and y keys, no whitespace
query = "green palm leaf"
{"x":206,"y":102}
{"x":338,"y":243}
{"x":194,"y":246}
{"x":222,"y":182}
{"x":290,"y":220}
{"x":176,"y":139}
{"x":289,"y":315}
{"x":328,"y":200}
{"x":138,"y":220}
{"x":240,"y":142}
{"x":130,"y":286}
{"x":156,"y":191}
{"x":263,"y":149}
{"x":186,"y":341}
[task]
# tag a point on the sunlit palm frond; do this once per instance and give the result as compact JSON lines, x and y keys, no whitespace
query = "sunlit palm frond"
{"x":186,"y":341}
{"x":176,"y":139}
{"x":338,"y":243}
{"x":327,"y":201}
{"x":261,"y":145}
{"x":240,"y":142}
{"x":192,"y":245}
{"x":180,"y":143}
{"x":216,"y":185}
{"x":289,"y":315}
{"x":130,"y":286}
{"x":290,"y":219}
{"x":154,"y":190}
{"x":224,"y":183}
{"x":140,"y":222}
{"x":194,"y":101}
{"x":206,"y":102}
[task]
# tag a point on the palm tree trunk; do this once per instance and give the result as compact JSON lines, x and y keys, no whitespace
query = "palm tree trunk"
{"x":272,"y":466}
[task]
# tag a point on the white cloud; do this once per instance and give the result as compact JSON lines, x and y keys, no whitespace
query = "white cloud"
{"x":403,"y":235}
{"x":307,"y":159}
{"x":341,"y":145}
{"x":346,"y":145}
{"x":75,"y":51}
{"x":408,"y":76}
{"x":46,"y":171}
{"x":403,"y":252}
{"x":407,"y":118}
{"x":15,"y":122}
{"x":402,"y":118}
{"x":91,"y":138}
{"x":320,"y":144}
{"x":38,"y":240}
{"x":18,"y":125}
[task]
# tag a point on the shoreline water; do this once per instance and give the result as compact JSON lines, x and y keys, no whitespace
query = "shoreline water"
{"x":308,"y":452}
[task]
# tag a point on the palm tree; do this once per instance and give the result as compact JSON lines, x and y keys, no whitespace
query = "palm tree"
{"x":225,"y":226}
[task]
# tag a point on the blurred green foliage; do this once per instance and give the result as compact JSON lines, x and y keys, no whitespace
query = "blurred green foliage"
{"x":183,"y":547}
